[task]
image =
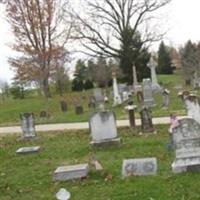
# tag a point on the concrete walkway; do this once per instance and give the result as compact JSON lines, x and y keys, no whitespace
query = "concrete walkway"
{"x":76,"y":126}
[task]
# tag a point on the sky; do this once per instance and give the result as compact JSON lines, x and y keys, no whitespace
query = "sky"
{"x":181,"y":21}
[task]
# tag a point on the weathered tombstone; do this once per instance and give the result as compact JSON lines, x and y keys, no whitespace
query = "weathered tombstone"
{"x":186,"y":138}
{"x":103,"y":128}
{"x":136,"y":86}
{"x":92,"y":102}
{"x":43,"y":114}
{"x":99,"y":98}
{"x":192,"y":104}
{"x":131,"y":112}
{"x":117,"y":98}
{"x":146,"y":120}
{"x":28,"y":125}
{"x":27,"y":150}
{"x":122,"y":87}
{"x":154,"y":82}
{"x":125,"y":96}
{"x":98,"y":95}
{"x":165,"y":95}
{"x":63,"y":106}
{"x":79,"y":109}
{"x":140,"y":97}
{"x":71,"y":172}
{"x":148,"y":93}
{"x":139,"y":167}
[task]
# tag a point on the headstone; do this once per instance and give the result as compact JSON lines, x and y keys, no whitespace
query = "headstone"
{"x":146,"y":120}
{"x":139,"y":167}
{"x":63,"y":194}
{"x":140,"y":97}
{"x":28,"y":125}
{"x":103,"y":128}
{"x":192,"y":107}
{"x":98,"y":95}
{"x":43,"y":114}
{"x":26,"y":150}
{"x":136,"y":86}
{"x":122,"y":87}
{"x":152,"y":66}
{"x":63,"y":105}
{"x":79,"y":110}
{"x":92,"y":102}
{"x":71,"y":172}
{"x":165,"y":95}
{"x":117,"y":98}
{"x":125,"y":96}
{"x":148,"y":93}
{"x":131,"y":112}
{"x":186,"y":138}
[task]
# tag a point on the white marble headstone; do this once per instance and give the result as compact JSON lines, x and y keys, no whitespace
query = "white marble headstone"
{"x":103,"y":126}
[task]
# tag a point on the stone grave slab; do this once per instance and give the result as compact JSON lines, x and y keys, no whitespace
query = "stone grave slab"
{"x":186,"y":139}
{"x":71,"y":172}
{"x":103,"y":128}
{"x":139,"y":167}
{"x":26,"y":150}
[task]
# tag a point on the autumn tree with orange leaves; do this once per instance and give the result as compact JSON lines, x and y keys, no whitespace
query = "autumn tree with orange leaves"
{"x":42,"y":29}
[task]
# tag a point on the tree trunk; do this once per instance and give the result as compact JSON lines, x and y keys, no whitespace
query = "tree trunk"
{"x":46,"y":89}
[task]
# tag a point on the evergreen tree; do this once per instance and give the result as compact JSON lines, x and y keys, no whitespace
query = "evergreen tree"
{"x":164,"y":60}
{"x":133,"y":53}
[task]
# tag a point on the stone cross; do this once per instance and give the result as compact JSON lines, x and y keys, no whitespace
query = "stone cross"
{"x":117,"y":97}
{"x":152,"y":66}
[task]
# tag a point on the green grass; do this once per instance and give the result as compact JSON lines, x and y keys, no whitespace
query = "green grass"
{"x":29,"y":177}
{"x":10,"y":109}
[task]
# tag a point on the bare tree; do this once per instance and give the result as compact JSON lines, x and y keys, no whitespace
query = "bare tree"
{"x":41,"y":29}
{"x":109,"y":27}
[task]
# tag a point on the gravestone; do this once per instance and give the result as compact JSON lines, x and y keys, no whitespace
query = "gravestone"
{"x":92,"y":102}
{"x":103,"y":128}
{"x":71,"y":172}
{"x":79,"y":110}
{"x":146,"y":120}
{"x":131,"y":112}
{"x":117,"y":98}
{"x":26,"y":150}
{"x":139,"y":167}
{"x":43,"y":114}
{"x":192,"y":107}
{"x":148,"y":93}
{"x":136,"y":86}
{"x":125,"y":96}
{"x":165,"y":95}
{"x":140,"y":97}
{"x":186,"y":139}
{"x":63,"y":106}
{"x":98,"y":95}
{"x":154,"y":82}
{"x":28,"y":125}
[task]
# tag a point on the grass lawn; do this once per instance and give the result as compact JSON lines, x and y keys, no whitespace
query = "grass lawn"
{"x":10,"y":108}
{"x":29,"y":177}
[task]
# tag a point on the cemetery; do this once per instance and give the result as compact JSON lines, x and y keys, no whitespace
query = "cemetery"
{"x":99,"y":104}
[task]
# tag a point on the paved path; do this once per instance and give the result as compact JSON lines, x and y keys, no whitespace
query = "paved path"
{"x":75,"y":126}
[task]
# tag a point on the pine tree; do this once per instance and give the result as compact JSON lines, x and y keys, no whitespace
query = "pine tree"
{"x":164,"y":60}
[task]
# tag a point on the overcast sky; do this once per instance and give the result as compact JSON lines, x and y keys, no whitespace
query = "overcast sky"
{"x":182,"y":22}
